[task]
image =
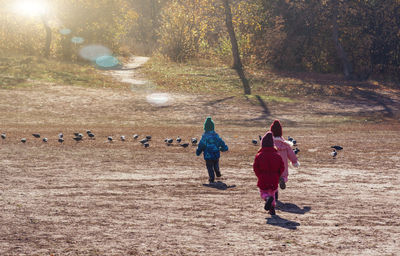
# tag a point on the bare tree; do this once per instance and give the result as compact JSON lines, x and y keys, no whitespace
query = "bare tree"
{"x":346,"y":65}
{"x":237,"y":63}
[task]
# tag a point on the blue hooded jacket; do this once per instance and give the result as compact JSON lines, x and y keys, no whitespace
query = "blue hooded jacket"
{"x":211,"y":144}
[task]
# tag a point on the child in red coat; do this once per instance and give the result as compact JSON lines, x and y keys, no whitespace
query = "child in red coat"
{"x":268,"y":167}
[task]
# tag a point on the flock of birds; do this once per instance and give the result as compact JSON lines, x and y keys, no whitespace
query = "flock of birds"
{"x":168,"y":141}
{"x":79,"y":137}
{"x":296,"y":150}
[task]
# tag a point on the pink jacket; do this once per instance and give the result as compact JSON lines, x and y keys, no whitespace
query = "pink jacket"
{"x":286,"y":152}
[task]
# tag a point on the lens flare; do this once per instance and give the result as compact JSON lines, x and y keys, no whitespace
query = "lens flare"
{"x":107,"y":62}
{"x":77,"y":40}
{"x":158,"y":99}
{"x":30,"y":7}
{"x":65,"y":31}
{"x":94,"y":51}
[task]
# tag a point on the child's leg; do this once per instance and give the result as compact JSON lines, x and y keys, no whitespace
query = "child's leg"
{"x":210,"y":169}
{"x":265,"y":194}
{"x":216,"y":168}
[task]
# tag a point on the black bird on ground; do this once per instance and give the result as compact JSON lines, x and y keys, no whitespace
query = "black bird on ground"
{"x":23,"y":140}
{"x":88,"y":131}
{"x":109,"y":138}
{"x":45,"y":140}
{"x":135,"y":136}
{"x":77,"y":138}
{"x":259,"y":136}
{"x":146,"y":144}
{"x":61,"y":140}
{"x":143,"y":141}
{"x":296,"y":150}
{"x":76,"y":134}
{"x":334,"y":153}
{"x":122,"y":138}
{"x":148,"y":137}
{"x":169,"y":141}
{"x":337,"y":147}
{"x":60,"y":135}
{"x":3,"y":136}
{"x":194,"y":141}
{"x":91,"y":135}
{"x":36,"y":135}
{"x":185,"y":145}
{"x":178,"y":139}
{"x":254,"y":142}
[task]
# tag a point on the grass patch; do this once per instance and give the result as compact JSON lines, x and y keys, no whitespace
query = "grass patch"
{"x":18,"y":71}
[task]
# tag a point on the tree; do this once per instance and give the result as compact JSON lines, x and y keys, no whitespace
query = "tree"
{"x":237,"y":63}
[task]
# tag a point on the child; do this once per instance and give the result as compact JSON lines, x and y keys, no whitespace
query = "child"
{"x":211,"y":144}
{"x":268,"y":167}
{"x":285,"y":151}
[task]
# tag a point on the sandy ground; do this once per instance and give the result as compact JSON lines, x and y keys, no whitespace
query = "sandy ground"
{"x":99,"y":198}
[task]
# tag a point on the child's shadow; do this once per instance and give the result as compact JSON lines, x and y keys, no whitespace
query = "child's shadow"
{"x":219,"y":185}
{"x":291,"y":208}
{"x":275,"y":220}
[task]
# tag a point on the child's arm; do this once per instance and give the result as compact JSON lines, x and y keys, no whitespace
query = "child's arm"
{"x":200,"y":147}
{"x":222,"y":146}
{"x":292,"y":157}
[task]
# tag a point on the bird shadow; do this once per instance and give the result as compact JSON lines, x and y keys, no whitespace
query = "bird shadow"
{"x":291,"y":208}
{"x":276,"y":220}
{"x":219,"y":185}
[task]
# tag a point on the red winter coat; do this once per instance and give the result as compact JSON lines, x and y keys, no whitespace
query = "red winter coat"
{"x":268,"y":167}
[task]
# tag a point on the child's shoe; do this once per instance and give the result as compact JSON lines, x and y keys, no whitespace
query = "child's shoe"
{"x":211,"y":181}
{"x":272,"y":211}
{"x":268,"y":203}
{"x":282,"y":184}
{"x":218,"y":174}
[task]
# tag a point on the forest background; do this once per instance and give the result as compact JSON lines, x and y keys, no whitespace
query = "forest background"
{"x":359,"y":38}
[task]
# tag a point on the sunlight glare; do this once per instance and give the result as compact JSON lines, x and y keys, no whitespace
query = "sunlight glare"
{"x":30,"y":7}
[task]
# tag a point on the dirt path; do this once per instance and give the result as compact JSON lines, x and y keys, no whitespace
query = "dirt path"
{"x":99,"y":198}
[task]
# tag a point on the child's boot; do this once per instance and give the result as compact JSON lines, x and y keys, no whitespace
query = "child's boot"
{"x":282,"y":184}
{"x":268,"y":203}
{"x":272,"y":211}
{"x":218,"y":174}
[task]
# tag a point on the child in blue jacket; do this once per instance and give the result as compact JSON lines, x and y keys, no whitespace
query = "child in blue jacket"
{"x":211,"y":144}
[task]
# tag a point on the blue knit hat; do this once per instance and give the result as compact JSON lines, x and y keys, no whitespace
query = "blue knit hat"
{"x":208,"y":124}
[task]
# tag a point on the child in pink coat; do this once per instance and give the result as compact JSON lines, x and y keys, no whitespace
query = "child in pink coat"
{"x":284,"y":150}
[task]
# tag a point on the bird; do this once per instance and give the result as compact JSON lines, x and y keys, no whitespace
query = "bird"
{"x":178,"y":139}
{"x":289,"y":138}
{"x":194,"y":141}
{"x":76,"y":134}
{"x":296,"y":150}
{"x":334,"y":153}
{"x":88,"y":131}
{"x":254,"y":142}
{"x":294,"y":142}
{"x":91,"y":135}
{"x":60,"y":135}
{"x":169,"y":141}
{"x":44,"y":139}
{"x":61,"y":140}
{"x":109,"y":138}
{"x":36,"y":135}
{"x":3,"y":136}
{"x":185,"y":145}
{"x":143,"y":141}
{"x":23,"y":140}
{"x":123,"y":138}
{"x":78,"y":138}
{"x":259,"y":136}
{"x":337,"y":147}
{"x":148,"y":137}
{"x":135,"y":136}
{"x":146,"y":144}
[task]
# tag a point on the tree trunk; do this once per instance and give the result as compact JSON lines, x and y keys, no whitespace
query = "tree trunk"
{"x":48,"y":37}
{"x":237,"y":63}
{"x":347,"y":67}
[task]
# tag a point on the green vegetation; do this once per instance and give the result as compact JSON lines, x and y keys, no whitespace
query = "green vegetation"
{"x":25,"y":71}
